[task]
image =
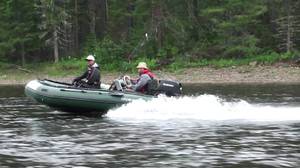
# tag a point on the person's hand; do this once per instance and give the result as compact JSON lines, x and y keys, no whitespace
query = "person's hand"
{"x":133,"y":81}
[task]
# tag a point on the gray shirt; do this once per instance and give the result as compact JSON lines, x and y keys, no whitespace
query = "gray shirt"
{"x":142,"y":82}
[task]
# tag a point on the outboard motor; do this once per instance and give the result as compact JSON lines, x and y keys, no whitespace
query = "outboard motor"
{"x":170,"y":88}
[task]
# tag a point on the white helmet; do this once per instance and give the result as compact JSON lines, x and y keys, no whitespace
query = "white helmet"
{"x":90,"y":58}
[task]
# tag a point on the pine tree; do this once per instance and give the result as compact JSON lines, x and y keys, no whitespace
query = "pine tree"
{"x":18,"y":28}
{"x":234,"y":22}
{"x":56,"y":25}
{"x":288,"y":26}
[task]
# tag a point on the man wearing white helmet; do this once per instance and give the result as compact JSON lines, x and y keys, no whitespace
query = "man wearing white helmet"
{"x":91,"y":77}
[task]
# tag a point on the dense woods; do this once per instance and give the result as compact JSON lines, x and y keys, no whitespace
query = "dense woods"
{"x":164,"y":31}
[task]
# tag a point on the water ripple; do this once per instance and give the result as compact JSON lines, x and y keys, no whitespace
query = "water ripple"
{"x":36,"y":136}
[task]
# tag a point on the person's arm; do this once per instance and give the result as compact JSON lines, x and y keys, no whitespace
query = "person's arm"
{"x":84,"y":75}
{"x":141,"y":83}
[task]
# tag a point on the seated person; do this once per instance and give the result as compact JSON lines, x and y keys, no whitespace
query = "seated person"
{"x":145,"y":75}
{"x":91,"y":77}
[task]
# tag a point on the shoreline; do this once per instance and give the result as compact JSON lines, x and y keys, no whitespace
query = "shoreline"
{"x":206,"y":75}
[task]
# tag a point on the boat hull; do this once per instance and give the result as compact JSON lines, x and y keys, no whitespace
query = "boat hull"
{"x":78,"y":100}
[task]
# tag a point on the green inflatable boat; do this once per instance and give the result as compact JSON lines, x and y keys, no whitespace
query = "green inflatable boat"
{"x":68,"y":98}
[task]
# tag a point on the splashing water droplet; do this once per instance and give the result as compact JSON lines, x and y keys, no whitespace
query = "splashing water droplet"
{"x":203,"y":107}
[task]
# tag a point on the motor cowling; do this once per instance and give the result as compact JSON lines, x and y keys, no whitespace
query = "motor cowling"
{"x":169,"y":88}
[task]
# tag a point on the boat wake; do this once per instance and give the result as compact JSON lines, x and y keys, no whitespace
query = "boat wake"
{"x":204,"y":107}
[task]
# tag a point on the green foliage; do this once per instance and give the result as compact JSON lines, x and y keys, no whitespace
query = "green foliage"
{"x":223,"y":63}
{"x":18,"y":31}
{"x":234,"y":32}
{"x":288,"y":55}
{"x":4,"y":65}
{"x":245,"y":46}
{"x":266,"y":58}
{"x":107,"y":51}
{"x":180,"y":33}
{"x":90,"y":45}
{"x":168,"y":52}
{"x":71,"y":64}
{"x":66,"y":67}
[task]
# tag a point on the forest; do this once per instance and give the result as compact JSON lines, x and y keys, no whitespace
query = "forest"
{"x":164,"y":33}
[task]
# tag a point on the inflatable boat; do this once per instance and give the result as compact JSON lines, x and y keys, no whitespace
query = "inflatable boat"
{"x":68,"y":98}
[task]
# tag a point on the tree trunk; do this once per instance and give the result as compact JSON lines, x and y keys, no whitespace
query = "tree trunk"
{"x":76,"y":27}
{"x":101,"y":18}
{"x":288,"y":35}
{"x":55,"y":46}
{"x":289,"y":42}
{"x":106,"y":11}
{"x":105,"y":18}
{"x":92,"y":16}
{"x":192,"y":7}
{"x":130,"y":9}
{"x":289,"y":27}
{"x":157,"y":22}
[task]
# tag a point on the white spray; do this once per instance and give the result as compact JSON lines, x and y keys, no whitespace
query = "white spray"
{"x":204,"y":107}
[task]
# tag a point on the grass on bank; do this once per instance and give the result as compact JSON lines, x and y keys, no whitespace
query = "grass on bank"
{"x":265,"y":59}
{"x":74,"y":67}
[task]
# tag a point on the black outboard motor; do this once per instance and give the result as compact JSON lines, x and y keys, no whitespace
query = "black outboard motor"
{"x":169,"y":88}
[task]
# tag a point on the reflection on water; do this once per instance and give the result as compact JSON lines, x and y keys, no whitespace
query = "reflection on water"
{"x":12,"y":91}
{"x":193,"y":131}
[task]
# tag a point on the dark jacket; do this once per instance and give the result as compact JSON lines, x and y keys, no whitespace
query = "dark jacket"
{"x":92,"y":76}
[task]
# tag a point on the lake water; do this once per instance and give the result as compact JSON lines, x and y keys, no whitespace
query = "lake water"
{"x":255,"y":126}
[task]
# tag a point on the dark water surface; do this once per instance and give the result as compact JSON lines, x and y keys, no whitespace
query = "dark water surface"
{"x":212,"y":126}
